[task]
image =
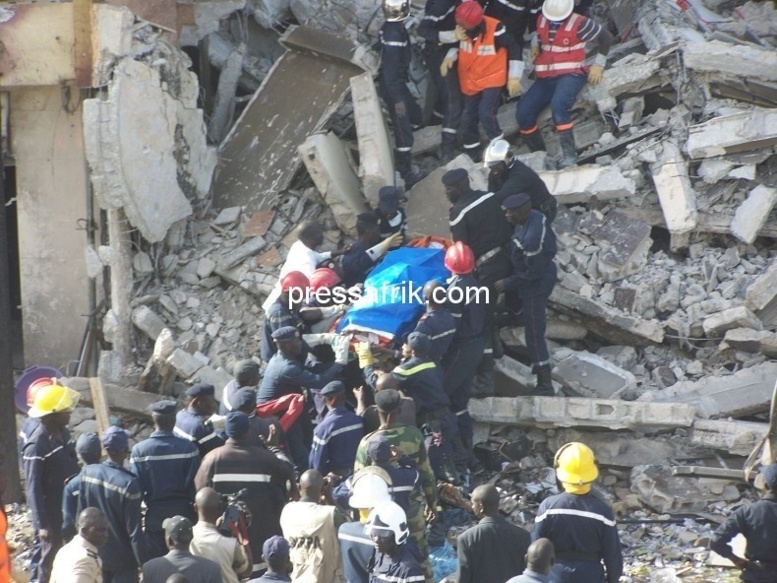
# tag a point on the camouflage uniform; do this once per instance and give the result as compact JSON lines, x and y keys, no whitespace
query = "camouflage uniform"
{"x":410,"y":442}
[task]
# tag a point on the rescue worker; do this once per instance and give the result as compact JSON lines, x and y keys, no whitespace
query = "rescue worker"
{"x":359,"y":259}
{"x":240,"y":464}
{"x":116,"y":491}
{"x":311,"y":529}
{"x":79,"y":560}
{"x":337,"y":437}
{"x":89,"y":451}
{"x":259,"y":428}
{"x":488,"y":60}
{"x":516,"y":15}
{"x":437,"y":28}
{"x":437,"y":322}
{"x":507,"y":176}
{"x":246,"y":374}
{"x":394,"y":76}
{"x":193,"y":422}
{"x":49,"y":459}
{"x":165,"y":465}
{"x":378,"y":381}
{"x":756,"y":523}
{"x":284,"y":311}
{"x":392,"y":218}
{"x":533,"y":248}
{"x":562,"y":67}
{"x":580,"y":526}
{"x":394,"y":561}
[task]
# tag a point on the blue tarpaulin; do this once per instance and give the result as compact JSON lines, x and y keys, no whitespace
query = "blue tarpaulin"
{"x":393,"y":300}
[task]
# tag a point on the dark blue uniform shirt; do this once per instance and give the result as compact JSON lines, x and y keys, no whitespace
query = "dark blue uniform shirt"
{"x":421,"y":379}
{"x":440,"y":326}
{"x":403,"y":569}
{"x":532,"y":250}
{"x":356,"y":549}
{"x":395,"y":59}
{"x":278,"y":315}
{"x":284,"y":376}
{"x":470,"y":311}
{"x":193,"y":427}
{"x":336,"y":440}
{"x":355,"y":264}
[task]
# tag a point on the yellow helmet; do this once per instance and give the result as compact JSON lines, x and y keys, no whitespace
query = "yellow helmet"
{"x":53,"y":399}
{"x":575,"y":464}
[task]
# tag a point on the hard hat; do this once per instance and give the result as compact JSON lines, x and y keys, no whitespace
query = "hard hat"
{"x":294,"y":279}
{"x":53,"y":399}
{"x":369,"y":488}
{"x":497,"y":151}
{"x":36,"y":386}
{"x":396,"y":10}
{"x":389,"y":517}
{"x":459,"y":259}
{"x":557,"y":10}
{"x":575,"y":463}
{"x":323,"y":277}
{"x":469,"y":14}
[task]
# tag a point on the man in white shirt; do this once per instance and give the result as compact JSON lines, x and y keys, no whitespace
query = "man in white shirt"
{"x":233,"y":559}
{"x":78,"y":561}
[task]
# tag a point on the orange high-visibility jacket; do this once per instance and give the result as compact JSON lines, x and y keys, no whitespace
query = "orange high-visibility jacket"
{"x":481,"y":64}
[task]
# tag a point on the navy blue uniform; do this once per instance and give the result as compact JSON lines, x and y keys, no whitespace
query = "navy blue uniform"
{"x":532,"y":250}
{"x":278,"y":315}
{"x":116,"y":492}
{"x":520,"y":178}
{"x":48,"y":462}
{"x":355,"y":264}
{"x":388,"y":227}
{"x":516,"y":15}
{"x":583,"y":532}
{"x":70,"y":506}
{"x":335,"y":442}
{"x":756,"y":523}
{"x":356,"y":549}
{"x":165,"y":465}
{"x":194,"y":428}
{"x":403,"y":569}
{"x":440,"y":326}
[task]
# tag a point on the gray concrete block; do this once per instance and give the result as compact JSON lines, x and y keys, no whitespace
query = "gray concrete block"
{"x":586,"y":183}
{"x":217,"y":377}
{"x":228,"y":216}
{"x":718,"y":57}
{"x":625,"y":246}
{"x":729,"y":134}
{"x":247,"y":249}
{"x":185,"y":364}
{"x":732,"y":437}
{"x":663,"y":492}
{"x":755,"y":341}
{"x":205,"y":267}
{"x":147,"y":321}
{"x":752,"y":214}
{"x":589,"y":375}
{"x":675,"y":193}
{"x":740,"y":317}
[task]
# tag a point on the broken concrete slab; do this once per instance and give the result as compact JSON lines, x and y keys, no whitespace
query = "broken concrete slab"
{"x":556,"y":330}
{"x":743,"y":393}
{"x":325,"y":158}
{"x":111,"y":39}
{"x":228,"y":216}
{"x":664,"y":492}
{"x":739,"y":317}
{"x":675,"y":193}
{"x":586,"y":183}
{"x":376,"y":162}
{"x":119,"y":398}
{"x":604,"y":321}
{"x":634,"y":73}
{"x":549,"y":412}
{"x":761,"y":294}
{"x":587,"y":375}
{"x":258,"y":158}
{"x":625,"y":246}
{"x":731,"y":134}
{"x":731,"y":436}
{"x":185,"y":364}
{"x":247,"y":249}
{"x":753,"y":213}
{"x":217,"y":377}
{"x":755,"y":341}
{"x":512,"y":377}
{"x":147,"y":321}
{"x":748,"y":61}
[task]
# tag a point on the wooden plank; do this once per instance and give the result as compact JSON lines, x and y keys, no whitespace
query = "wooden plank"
{"x":99,"y":404}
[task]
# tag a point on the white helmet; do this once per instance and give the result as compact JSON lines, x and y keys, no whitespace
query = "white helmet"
{"x":557,"y":10}
{"x":497,"y":151}
{"x":389,"y":517}
{"x":369,"y":489}
{"x":396,"y":10}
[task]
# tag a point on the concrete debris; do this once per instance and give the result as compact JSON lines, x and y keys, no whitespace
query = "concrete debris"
{"x":632,"y":74}
{"x":737,"y":60}
{"x":739,"y":317}
{"x":732,"y":436}
{"x":750,"y":340}
{"x":752,"y":214}
{"x":730,"y":134}
{"x":663,"y":492}
{"x":588,"y":183}
{"x":588,"y":375}
{"x":675,"y":193}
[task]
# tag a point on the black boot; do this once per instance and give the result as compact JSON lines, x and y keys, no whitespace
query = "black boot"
{"x":544,"y":386}
{"x":568,"y":149}
{"x":448,"y":151}
{"x":534,"y":141}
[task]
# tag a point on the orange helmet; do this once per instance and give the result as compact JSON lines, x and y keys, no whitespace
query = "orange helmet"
{"x":294,"y":279}
{"x":323,"y":277}
{"x":459,"y":259}
{"x":469,"y":14}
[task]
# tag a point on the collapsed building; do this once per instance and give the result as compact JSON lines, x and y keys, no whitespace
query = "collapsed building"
{"x":164,"y":153}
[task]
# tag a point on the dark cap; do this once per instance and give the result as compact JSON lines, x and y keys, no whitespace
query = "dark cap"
{"x":333,"y":388}
{"x":770,"y":476}
{"x":276,"y":548}
{"x":285,"y":333}
{"x":163,"y":407}
{"x":115,"y":439}
{"x":242,"y":398}
{"x":368,"y":218}
{"x":379,"y":450}
{"x":237,"y":424}
{"x":245,"y":371}
{"x":516,"y":201}
{"x":388,"y":199}
{"x":387,"y":400}
{"x":201,"y":390}
{"x":419,"y":342}
{"x":178,"y":528}
{"x":88,"y":446}
{"x":454,"y":176}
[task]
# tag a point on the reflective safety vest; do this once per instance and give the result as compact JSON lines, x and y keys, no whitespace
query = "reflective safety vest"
{"x":565,"y":55}
{"x":5,"y":556}
{"x":481,"y":64}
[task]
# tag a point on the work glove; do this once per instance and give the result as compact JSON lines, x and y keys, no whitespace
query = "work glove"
{"x":341,"y":346}
{"x":446,"y":66}
{"x":535,"y":50}
{"x":595,"y":74}
{"x":460,"y":33}
{"x":513,"y":86}
{"x":364,"y":352}
{"x":394,"y":241}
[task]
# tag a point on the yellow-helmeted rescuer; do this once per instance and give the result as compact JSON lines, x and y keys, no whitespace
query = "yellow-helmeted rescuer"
{"x":581,"y":526}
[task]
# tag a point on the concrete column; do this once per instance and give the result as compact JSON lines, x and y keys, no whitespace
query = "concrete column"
{"x":121,"y":283}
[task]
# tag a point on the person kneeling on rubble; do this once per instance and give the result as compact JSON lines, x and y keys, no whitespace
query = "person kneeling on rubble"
{"x":562,"y":68}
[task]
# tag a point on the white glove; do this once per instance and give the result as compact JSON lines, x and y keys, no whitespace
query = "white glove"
{"x":341,"y":347}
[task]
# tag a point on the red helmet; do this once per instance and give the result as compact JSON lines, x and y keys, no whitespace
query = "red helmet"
{"x":459,"y":259}
{"x":469,"y":14}
{"x":36,"y":386}
{"x":294,"y":279}
{"x":323,"y":277}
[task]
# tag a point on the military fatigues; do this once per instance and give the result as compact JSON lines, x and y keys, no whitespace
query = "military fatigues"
{"x":403,"y":569}
{"x":440,"y":326}
{"x":239,"y":465}
{"x":335,"y":441}
{"x":165,"y":465}
{"x":191,"y":426}
{"x":519,"y":178}
{"x":48,"y":462}
{"x":583,"y":532}
{"x":116,"y":492}
{"x":278,"y":315}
